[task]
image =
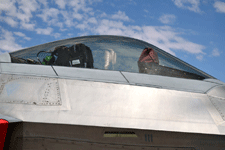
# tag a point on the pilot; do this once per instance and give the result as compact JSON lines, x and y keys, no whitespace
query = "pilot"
{"x":147,"y":61}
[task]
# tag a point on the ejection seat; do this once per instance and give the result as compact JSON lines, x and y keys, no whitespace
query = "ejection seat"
{"x":78,"y":55}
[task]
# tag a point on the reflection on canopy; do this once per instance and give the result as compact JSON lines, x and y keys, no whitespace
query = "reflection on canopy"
{"x":120,"y":54}
{"x":110,"y":57}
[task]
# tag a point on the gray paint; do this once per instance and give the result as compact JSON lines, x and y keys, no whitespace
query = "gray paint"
{"x":218,"y":91}
{"x":20,"y":90}
{"x":219,"y":105}
{"x":90,"y":74}
{"x":214,"y":81}
{"x":108,"y":76}
{"x":5,"y":58}
{"x":9,"y":119}
{"x":27,"y":69}
{"x":122,"y":106}
{"x":172,"y":83}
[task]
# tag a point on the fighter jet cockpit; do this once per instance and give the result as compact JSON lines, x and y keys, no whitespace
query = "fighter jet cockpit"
{"x":108,"y":53}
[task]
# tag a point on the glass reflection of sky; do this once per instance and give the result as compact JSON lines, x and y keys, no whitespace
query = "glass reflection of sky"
{"x":123,"y":51}
{"x":112,"y":53}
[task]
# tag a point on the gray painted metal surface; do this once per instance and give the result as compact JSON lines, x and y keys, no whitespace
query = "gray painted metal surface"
{"x":29,"y":90}
{"x":122,"y":106}
{"x":172,"y":83}
{"x":218,"y":91}
{"x":219,"y":104}
{"x":27,"y":69}
{"x":9,"y":119}
{"x":113,"y":105}
{"x":90,"y":74}
{"x":214,"y":81}
{"x":5,"y":58}
{"x":108,"y":76}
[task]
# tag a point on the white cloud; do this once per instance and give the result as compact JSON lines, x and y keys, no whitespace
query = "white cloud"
{"x":167,"y":18}
{"x":43,"y":2}
{"x":51,"y":17}
{"x":49,"y":13}
{"x":109,"y":26}
{"x":77,"y":16}
{"x":61,"y":3}
{"x":19,"y":11}
{"x":22,"y":35}
{"x":163,"y":37}
{"x":9,"y":7}
{"x":10,"y":21}
{"x":92,"y":20}
{"x":23,"y":17}
{"x":103,"y":15}
{"x":27,"y":26}
{"x":199,"y":57}
{"x":94,"y":1}
{"x":46,"y":31}
{"x":56,"y":35}
{"x":215,"y":52}
{"x":145,"y":10}
{"x":19,"y":34}
{"x":220,"y":6}
{"x":185,"y":4}
{"x":68,"y":18}
{"x":61,"y":18}
{"x":26,"y":7}
{"x":6,"y":5}
{"x":78,"y":5}
{"x":23,"y":10}
{"x":82,"y":26}
{"x":138,"y":28}
{"x":168,"y":39}
{"x":87,"y":10}
{"x":69,"y":23}
{"x":7,"y":41}
{"x":27,"y":38}
{"x":120,"y":16}
{"x":112,"y":4}
{"x":70,"y":34}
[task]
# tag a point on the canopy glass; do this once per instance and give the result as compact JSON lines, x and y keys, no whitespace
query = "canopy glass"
{"x":114,"y":53}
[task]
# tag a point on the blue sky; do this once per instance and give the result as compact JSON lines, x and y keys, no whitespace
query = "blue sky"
{"x":192,"y":30}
